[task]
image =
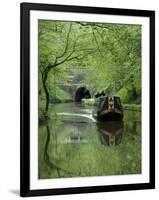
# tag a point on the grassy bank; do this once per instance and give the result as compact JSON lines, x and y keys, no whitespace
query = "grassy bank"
{"x":92,"y":102}
{"x":135,"y":107}
{"x":88,"y":102}
{"x":59,"y":95}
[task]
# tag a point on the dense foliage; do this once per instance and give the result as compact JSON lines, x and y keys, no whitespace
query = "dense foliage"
{"x":111,"y":53}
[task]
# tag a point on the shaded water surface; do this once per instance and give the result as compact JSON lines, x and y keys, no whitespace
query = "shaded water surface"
{"x":73,"y":144}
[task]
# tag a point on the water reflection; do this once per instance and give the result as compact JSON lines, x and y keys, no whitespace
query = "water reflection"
{"x":110,"y":133}
{"x":75,"y":138}
{"x":52,"y":166}
{"x":72,"y":145}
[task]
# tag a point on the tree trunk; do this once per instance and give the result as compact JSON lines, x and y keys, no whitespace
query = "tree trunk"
{"x":47,"y":96}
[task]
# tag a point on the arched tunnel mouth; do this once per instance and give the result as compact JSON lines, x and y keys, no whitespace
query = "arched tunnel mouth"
{"x":82,"y":93}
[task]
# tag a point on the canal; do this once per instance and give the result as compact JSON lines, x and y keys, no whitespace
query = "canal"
{"x":73,"y":144}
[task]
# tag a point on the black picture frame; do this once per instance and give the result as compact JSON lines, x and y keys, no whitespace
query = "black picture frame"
{"x":25,"y":9}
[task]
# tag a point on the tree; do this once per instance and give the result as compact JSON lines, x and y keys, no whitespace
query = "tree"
{"x":118,"y":59}
{"x":112,"y":53}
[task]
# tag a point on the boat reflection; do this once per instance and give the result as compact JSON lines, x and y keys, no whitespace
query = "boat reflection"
{"x":110,"y":133}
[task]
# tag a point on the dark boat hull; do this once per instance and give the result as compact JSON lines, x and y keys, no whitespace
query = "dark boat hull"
{"x":109,"y":116}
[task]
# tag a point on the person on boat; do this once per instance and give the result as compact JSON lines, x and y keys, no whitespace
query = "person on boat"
{"x":110,"y":102}
{"x":99,"y":94}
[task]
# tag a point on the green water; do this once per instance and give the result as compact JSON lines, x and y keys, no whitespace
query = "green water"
{"x":73,"y":144}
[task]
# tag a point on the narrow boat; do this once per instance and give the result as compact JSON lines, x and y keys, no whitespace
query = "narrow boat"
{"x":109,"y":108}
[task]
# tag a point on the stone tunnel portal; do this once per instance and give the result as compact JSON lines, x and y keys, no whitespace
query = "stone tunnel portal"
{"x":82,"y":92}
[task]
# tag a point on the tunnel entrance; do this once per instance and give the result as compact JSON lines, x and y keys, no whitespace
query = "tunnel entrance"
{"x":81,"y":93}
